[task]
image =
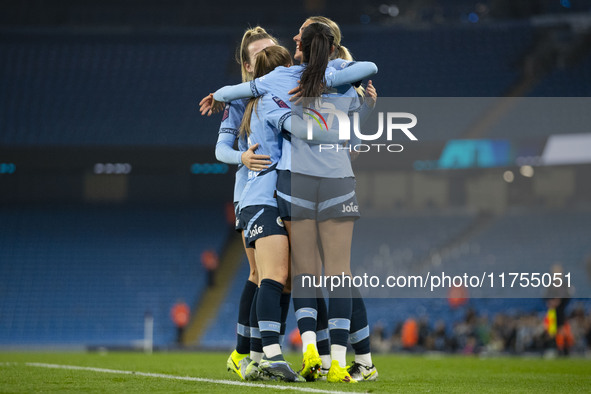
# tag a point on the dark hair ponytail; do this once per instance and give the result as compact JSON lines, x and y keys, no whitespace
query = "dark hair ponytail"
{"x":317,"y":41}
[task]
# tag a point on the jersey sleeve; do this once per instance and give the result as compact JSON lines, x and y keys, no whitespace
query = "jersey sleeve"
{"x":278,"y":117}
{"x":353,"y":72}
{"x":229,"y":131}
{"x":339,"y":64}
{"x":277,"y":111}
{"x":267,"y":83}
{"x":224,"y":149}
{"x":232,"y":117}
{"x":233,"y":92}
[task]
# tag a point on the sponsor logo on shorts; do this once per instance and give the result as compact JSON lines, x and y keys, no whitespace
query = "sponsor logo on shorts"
{"x":256,"y":230}
{"x":280,"y":222}
{"x":350,"y":208}
{"x":237,"y":222}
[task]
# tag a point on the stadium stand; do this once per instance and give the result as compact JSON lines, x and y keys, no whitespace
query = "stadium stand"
{"x":464,"y":61}
{"x":82,"y":275}
{"x":81,"y":89}
{"x":394,"y":244}
{"x":382,"y":244}
{"x":566,"y":81}
{"x":513,"y":242}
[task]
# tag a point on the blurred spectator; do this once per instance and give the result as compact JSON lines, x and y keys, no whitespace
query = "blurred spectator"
{"x":457,"y":296}
{"x":380,"y":343}
{"x":477,"y":334}
{"x":579,"y":328}
{"x":180,"y":314}
{"x":558,"y":327}
{"x":295,"y":340}
{"x":210,"y":261}
{"x":439,"y":341}
{"x":410,"y":333}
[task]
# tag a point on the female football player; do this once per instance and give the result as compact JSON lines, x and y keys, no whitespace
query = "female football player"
{"x":362,"y":368}
{"x":334,"y":175}
{"x":253,"y":41}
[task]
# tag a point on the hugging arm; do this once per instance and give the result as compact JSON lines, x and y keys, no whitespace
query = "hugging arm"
{"x":233,"y":92}
{"x":355,"y":72}
{"x":224,"y":149}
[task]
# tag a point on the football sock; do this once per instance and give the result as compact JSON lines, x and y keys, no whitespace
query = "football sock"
{"x":256,"y":346}
{"x":359,"y":335}
{"x":269,"y":316}
{"x":243,"y":326}
{"x":322,"y":335}
{"x":284,"y":302}
{"x":339,"y":322}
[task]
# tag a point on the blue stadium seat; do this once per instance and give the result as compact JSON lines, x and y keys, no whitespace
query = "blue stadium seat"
{"x":87,"y":275}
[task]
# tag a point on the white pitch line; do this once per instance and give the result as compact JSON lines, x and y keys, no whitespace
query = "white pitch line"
{"x":185,"y":378}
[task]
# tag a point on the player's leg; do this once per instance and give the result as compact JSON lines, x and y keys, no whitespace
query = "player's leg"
{"x":322,"y":333}
{"x":336,"y":243}
{"x":272,"y":254}
{"x":362,"y":369}
{"x":267,"y":233}
{"x":243,"y":327}
{"x":337,"y":211}
{"x":285,"y":302}
{"x":322,"y":336}
{"x":303,"y":240}
{"x":306,"y":263}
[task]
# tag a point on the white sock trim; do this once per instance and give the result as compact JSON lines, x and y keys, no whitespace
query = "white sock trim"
{"x":339,"y":353}
{"x":272,"y":350}
{"x":308,"y":338}
{"x":256,"y":356}
{"x":326,"y":360}
{"x":364,"y":359}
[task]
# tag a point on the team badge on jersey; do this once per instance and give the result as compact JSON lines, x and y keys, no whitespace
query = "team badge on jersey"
{"x":280,"y":102}
{"x":226,"y":112}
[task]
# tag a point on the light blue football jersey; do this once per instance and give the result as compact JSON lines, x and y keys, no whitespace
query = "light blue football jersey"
{"x":266,"y":124}
{"x":231,"y":119}
{"x":299,"y":155}
{"x":305,"y":158}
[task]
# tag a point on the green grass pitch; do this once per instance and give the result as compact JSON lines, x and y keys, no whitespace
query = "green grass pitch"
{"x":398,"y":373}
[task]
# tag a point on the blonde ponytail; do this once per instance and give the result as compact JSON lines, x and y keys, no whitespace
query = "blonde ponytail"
{"x":242,"y":56}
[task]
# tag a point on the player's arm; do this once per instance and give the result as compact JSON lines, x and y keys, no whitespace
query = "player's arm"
{"x":228,"y":133}
{"x":214,"y":102}
{"x":224,"y":149}
{"x":255,"y":88}
{"x":354,"y":72}
{"x":225,"y":152}
{"x":233,"y":92}
{"x":368,"y":105}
